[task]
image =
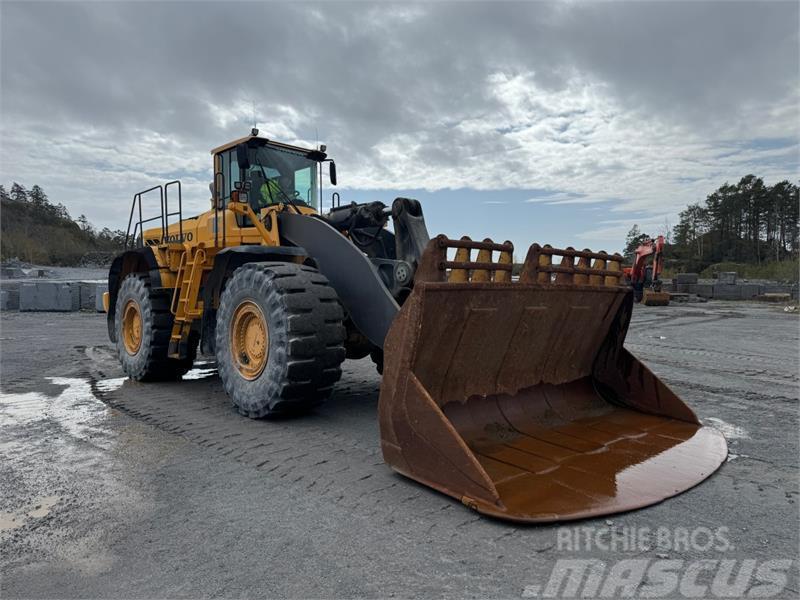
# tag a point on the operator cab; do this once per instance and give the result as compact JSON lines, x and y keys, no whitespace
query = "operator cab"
{"x":270,"y":172}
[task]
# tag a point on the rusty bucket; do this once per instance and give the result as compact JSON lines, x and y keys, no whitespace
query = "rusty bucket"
{"x":654,"y":298}
{"x":518,"y":397}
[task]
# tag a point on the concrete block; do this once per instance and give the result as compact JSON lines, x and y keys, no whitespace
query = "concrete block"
{"x":687,"y":288}
{"x":704,"y":290}
{"x":727,"y":277}
{"x":9,"y":298}
{"x":750,"y":290}
{"x":11,"y":273}
{"x":86,"y":294}
{"x":775,"y":297}
{"x":727,"y":291}
{"x":777,"y":288}
{"x":89,"y":291}
{"x":75,"y":295}
{"x":686,"y":278}
{"x":49,"y":296}
{"x":100,"y":289}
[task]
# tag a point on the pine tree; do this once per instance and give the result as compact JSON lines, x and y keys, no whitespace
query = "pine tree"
{"x":37,"y":197}
{"x":633,"y":240}
{"x":18,"y":193}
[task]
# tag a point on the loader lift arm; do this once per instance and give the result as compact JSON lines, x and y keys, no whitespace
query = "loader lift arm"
{"x":356,"y":280}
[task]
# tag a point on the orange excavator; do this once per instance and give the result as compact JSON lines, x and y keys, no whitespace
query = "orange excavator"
{"x":645,"y":279}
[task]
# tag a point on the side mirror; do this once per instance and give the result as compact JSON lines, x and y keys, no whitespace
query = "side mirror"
{"x":242,"y":156}
{"x":332,"y":172}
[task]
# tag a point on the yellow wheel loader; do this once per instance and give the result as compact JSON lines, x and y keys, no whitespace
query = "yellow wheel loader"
{"x":514,"y":395}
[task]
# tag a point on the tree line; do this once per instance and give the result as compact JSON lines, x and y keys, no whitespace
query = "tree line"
{"x":748,"y":222}
{"x":40,"y":232}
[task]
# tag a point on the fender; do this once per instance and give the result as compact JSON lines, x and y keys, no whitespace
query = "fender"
{"x":138,"y":260}
{"x":356,"y":280}
{"x":225,"y":263}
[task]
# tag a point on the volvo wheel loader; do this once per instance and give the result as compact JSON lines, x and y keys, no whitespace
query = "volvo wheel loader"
{"x":513,"y":394}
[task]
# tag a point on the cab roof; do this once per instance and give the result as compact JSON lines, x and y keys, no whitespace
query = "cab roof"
{"x":264,"y":140}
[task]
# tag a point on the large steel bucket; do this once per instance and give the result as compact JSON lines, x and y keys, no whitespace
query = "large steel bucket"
{"x":518,"y":398}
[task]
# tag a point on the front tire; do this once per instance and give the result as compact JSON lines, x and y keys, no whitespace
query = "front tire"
{"x":279,"y":339}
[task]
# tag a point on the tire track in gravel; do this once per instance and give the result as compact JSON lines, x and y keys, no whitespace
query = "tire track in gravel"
{"x":334,"y":451}
{"x":650,"y":347}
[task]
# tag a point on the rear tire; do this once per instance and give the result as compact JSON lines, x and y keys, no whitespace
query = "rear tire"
{"x":144,"y":324}
{"x":279,"y":339}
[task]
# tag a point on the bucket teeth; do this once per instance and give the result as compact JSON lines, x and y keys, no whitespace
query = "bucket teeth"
{"x":434,"y":264}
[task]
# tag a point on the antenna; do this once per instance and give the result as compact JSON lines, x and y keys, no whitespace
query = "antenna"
{"x":253,"y":103}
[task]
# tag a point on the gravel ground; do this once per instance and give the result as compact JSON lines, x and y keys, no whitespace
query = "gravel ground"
{"x":120,"y":490}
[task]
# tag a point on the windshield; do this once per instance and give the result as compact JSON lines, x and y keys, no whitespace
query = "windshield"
{"x":280,"y":176}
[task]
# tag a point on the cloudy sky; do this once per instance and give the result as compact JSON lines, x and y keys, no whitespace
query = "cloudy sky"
{"x":561,"y":123}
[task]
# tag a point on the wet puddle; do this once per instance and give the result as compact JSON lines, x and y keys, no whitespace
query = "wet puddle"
{"x":37,"y":509}
{"x":75,"y":408}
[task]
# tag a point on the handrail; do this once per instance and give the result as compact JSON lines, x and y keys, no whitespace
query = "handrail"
{"x":163,"y":216}
{"x":179,"y":212}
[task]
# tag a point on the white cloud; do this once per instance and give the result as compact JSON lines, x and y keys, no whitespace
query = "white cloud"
{"x":534,"y":97}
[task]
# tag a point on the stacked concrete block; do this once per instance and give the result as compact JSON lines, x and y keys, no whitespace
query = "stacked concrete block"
{"x":686,"y":278}
{"x":727,"y":291}
{"x":49,"y":296}
{"x":750,"y":290}
{"x":727,"y":278}
{"x":704,"y":290}
{"x":687,"y":288}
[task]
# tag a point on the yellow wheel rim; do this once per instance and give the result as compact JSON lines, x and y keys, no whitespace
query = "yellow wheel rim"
{"x":132,"y":327}
{"x":249,"y":340}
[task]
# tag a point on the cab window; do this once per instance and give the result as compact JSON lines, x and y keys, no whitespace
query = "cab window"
{"x":303,"y":186}
{"x":230,"y":172}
